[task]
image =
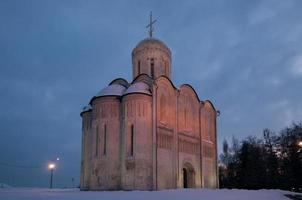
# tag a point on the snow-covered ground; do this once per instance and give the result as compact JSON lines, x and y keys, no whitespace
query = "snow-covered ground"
{"x":3,"y":185}
{"x":188,"y":194}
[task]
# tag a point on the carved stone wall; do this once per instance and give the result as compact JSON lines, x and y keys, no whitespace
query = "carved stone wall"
{"x":166,"y":134}
{"x":136,"y":136}
{"x":188,"y":111}
{"x":209,"y":148}
{"x":86,"y":150}
{"x":189,"y":147}
{"x":105,"y":144}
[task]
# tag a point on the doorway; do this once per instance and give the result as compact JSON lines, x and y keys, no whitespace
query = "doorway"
{"x":188,"y":175}
{"x":185,"y":177}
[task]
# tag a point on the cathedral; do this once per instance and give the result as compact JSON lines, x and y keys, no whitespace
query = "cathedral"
{"x":148,"y":134}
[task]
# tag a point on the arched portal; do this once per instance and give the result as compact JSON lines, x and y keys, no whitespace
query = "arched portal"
{"x":185,"y":177}
{"x":188,"y":175}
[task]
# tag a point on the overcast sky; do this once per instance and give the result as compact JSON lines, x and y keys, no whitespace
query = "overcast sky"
{"x":245,"y":56}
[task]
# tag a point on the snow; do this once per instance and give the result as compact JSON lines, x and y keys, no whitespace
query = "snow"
{"x":138,"y":87}
{"x":3,"y":185}
{"x":180,"y":194}
{"x":86,"y":108}
{"x":114,"y":90}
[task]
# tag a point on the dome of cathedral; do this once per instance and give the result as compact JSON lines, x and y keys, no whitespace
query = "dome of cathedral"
{"x":151,"y":42}
{"x":112,"y":90}
{"x":138,"y":87}
{"x":153,"y":57}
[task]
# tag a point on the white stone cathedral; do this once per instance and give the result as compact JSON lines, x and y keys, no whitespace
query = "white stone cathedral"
{"x":148,"y":134}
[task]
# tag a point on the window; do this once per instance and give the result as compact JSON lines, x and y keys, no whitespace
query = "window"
{"x":97,"y":142}
{"x":185,"y":118}
{"x":152,"y":67}
{"x":139,"y":67}
{"x":105,"y":139}
{"x":132,"y":140}
{"x":166,"y":69}
{"x":162,"y":108}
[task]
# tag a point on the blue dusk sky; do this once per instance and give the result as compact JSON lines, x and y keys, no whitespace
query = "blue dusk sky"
{"x":245,"y":56}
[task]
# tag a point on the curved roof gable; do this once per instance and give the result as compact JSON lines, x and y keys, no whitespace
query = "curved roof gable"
{"x":191,"y":88}
{"x":165,"y":77}
{"x":209,"y":103}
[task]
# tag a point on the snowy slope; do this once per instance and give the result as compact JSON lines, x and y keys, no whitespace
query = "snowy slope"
{"x":3,"y":185}
{"x":189,"y":194}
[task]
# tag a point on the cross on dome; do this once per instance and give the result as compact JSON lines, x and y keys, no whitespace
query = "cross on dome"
{"x":150,"y":25}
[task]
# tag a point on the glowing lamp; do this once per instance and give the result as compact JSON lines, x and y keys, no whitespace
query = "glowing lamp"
{"x":51,"y":166}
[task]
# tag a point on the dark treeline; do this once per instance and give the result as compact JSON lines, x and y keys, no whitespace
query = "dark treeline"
{"x":273,"y":161}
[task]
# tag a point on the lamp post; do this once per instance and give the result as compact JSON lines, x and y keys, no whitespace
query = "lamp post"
{"x":300,"y":146}
{"x":51,"y":166}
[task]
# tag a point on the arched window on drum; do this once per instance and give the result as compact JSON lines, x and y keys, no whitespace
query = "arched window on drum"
{"x":163,"y":108}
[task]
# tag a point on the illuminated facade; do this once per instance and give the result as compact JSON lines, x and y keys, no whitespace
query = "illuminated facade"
{"x":148,"y":134}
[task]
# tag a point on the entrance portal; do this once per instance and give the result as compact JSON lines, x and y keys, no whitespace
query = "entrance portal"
{"x":185,"y":177}
{"x":188,"y":175}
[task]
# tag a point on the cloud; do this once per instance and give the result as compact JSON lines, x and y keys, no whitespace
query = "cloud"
{"x":262,"y":14}
{"x":267,"y":10}
{"x":286,"y":111}
{"x":296,"y":68}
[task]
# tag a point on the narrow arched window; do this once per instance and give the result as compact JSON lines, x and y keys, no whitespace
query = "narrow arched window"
{"x":166,"y":69}
{"x":152,"y":67}
{"x":185,"y":113}
{"x":97,"y":142}
{"x":132,"y":140}
{"x":162,"y":108}
{"x":139,"y":67}
{"x":105,"y":139}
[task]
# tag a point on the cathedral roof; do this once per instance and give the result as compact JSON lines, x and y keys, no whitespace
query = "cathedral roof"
{"x":112,"y":90}
{"x":86,"y":109}
{"x":138,"y":87}
{"x":120,"y":81}
{"x":151,"y":40}
{"x":143,"y":78}
{"x":120,"y":87}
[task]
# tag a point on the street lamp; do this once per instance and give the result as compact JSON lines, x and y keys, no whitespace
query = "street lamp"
{"x":300,"y":146}
{"x":51,"y":166}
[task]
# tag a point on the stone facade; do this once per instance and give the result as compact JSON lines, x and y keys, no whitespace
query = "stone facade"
{"x":148,"y":134}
